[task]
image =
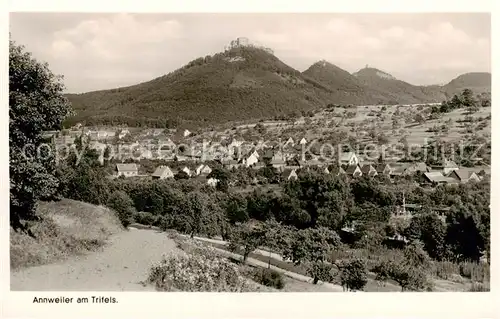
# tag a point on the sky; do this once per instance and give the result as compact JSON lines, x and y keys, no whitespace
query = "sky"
{"x":96,"y":51}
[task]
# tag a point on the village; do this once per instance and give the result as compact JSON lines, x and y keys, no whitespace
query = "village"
{"x":196,"y":158}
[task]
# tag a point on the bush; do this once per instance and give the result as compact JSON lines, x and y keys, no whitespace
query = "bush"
{"x":479,"y":272}
{"x":479,"y":287}
{"x":445,"y":269}
{"x":269,"y":277}
{"x":321,"y":271}
{"x":353,"y":275}
{"x":202,"y":270}
{"x":121,"y":203}
{"x":145,"y":218}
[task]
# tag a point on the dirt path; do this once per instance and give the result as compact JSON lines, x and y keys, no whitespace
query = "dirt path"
{"x":120,"y":266}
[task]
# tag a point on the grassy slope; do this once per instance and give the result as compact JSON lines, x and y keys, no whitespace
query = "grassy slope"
{"x":68,"y":228}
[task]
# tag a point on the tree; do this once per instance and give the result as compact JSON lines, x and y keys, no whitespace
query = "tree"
{"x":36,"y":103}
{"x":246,"y":238}
{"x":431,"y":230}
{"x":181,"y":175}
{"x":196,"y":213}
{"x":236,"y":209}
{"x":353,"y":275}
{"x":312,"y":246}
{"x":123,"y":205}
{"x":222,"y":175}
{"x":419,"y":118}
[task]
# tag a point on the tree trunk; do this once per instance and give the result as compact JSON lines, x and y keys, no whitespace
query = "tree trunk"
{"x":315,"y":280}
{"x":192,"y":234}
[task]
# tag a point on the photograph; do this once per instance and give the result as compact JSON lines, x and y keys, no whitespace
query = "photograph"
{"x":249,"y":152}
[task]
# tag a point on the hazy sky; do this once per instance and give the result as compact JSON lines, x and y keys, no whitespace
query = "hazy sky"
{"x":102,"y":51}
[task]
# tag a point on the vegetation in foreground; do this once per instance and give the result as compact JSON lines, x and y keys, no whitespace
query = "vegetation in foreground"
{"x":66,"y":228}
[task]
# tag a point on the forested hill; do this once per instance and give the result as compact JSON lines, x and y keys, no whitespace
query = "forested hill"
{"x":243,"y":83}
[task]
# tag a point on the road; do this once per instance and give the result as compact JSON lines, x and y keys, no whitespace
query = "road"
{"x":120,"y":266}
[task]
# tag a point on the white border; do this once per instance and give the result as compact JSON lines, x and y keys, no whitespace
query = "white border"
{"x":225,"y":305}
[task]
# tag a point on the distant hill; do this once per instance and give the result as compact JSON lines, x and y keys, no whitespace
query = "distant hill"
{"x":239,"y":84}
{"x":247,"y":83}
{"x":398,"y":90}
{"x":479,"y":82}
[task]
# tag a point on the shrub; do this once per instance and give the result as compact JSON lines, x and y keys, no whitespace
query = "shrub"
{"x":479,"y":287}
{"x":321,"y":271}
{"x":353,"y":275}
{"x":144,"y":218}
{"x":201,"y":270}
{"x":479,"y":272}
{"x":269,"y":277}
{"x":445,"y":269}
{"x":121,"y":203}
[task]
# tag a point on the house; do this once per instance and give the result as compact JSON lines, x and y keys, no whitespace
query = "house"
{"x":326,"y":170}
{"x":166,"y":144}
{"x":417,"y":168}
{"x":303,"y":141}
{"x":335,"y":170}
{"x":383,"y":169}
{"x":290,"y":142}
{"x":64,"y":140}
{"x":315,"y":162}
{"x":162,"y":172}
{"x":230,"y":163}
{"x":289,"y":174}
{"x":437,"y":177}
{"x":349,"y":158}
{"x":180,"y":158}
{"x":251,"y":159}
{"x":126,"y":170}
{"x":446,"y":167}
{"x":203,"y":170}
{"x":398,"y":169}
{"x":187,"y":171}
{"x":123,"y":133}
{"x":369,"y":170}
{"x":353,"y":170}
{"x":212,"y":181}
{"x":464,"y":176}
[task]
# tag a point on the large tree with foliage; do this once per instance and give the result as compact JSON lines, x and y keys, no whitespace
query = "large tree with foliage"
{"x":36,"y":103}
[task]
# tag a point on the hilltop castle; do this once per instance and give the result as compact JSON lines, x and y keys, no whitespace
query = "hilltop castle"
{"x":244,"y":42}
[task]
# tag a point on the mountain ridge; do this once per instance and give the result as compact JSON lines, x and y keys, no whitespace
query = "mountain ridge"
{"x":246,"y":83}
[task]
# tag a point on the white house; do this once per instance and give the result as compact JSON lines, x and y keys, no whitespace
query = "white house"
{"x":212,"y":181}
{"x":289,"y":174}
{"x":186,"y":133}
{"x":123,"y":133}
{"x":303,"y":141}
{"x":348,"y":158}
{"x":163,"y":172}
{"x":187,"y":171}
{"x":126,"y":170}
{"x":290,"y":142}
{"x":203,"y":170}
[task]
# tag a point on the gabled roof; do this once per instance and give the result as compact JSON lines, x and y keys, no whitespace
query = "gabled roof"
{"x":350,"y":169}
{"x":398,"y":168}
{"x":449,"y":164}
{"x":346,"y":156}
{"x":381,"y":167}
{"x":126,"y":167}
{"x":367,"y":168}
{"x":160,"y":170}
{"x":436,"y":177}
{"x":463,"y":174}
{"x":287,"y":171}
